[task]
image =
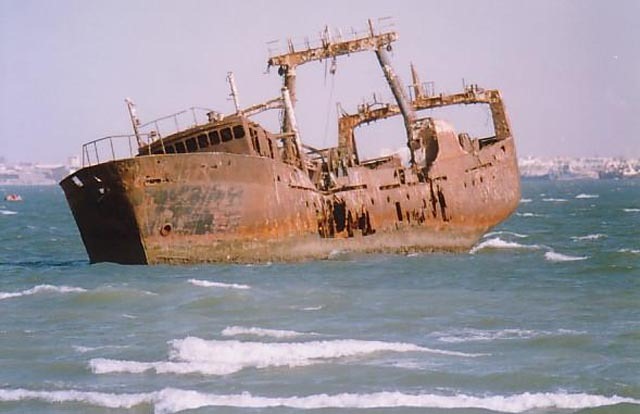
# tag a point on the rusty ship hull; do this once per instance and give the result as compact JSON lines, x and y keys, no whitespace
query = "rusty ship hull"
{"x":203,"y":208}
{"x":228,"y":190}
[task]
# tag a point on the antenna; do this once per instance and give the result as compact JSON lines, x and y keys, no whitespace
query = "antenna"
{"x":135,"y":122}
{"x":234,"y":90}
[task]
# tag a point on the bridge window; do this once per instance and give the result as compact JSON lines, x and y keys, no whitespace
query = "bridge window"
{"x":226,"y":134}
{"x":214,"y":137}
{"x":203,"y":141}
{"x":191,"y":145}
{"x":169,"y":149}
{"x":180,"y":148}
{"x":238,"y":131}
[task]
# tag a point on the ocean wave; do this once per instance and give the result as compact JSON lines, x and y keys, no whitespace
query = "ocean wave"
{"x":171,"y":400}
{"x":509,"y":233}
{"x":212,"y":357}
{"x":631,"y":210}
{"x":41,"y":288}
{"x":530,"y":215}
{"x":586,"y":196}
{"x":555,"y":200}
{"x":525,"y":200}
{"x":274,"y":333}
{"x":478,"y":335}
{"x":84,"y":349}
{"x":559,"y":257}
{"x":589,"y":237}
{"x":8,"y":212}
{"x":633,"y":251}
{"x":206,"y":283}
{"x":498,"y":243}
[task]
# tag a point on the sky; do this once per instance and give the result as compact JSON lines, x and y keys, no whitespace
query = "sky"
{"x":569,"y":71}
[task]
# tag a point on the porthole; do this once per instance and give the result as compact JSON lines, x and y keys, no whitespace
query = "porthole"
{"x":166,"y":229}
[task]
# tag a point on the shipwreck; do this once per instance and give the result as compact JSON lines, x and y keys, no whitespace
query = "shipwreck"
{"x":226,"y":189}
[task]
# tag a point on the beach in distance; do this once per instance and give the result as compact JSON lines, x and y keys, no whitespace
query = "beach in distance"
{"x":541,"y":316}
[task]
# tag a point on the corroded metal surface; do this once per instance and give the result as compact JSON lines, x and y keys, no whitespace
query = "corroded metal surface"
{"x":229,"y":190}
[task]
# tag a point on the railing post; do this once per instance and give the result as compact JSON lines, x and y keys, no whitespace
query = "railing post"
{"x":130,"y":148}
{"x":113,"y":153}
{"x":195,"y":119}
{"x":95,"y":147}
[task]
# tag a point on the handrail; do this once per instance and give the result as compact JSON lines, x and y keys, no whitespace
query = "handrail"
{"x":199,"y":116}
{"x":93,"y":152}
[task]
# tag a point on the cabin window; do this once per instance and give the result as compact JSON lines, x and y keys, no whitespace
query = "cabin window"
{"x":214,"y":137}
{"x":180,"y":148}
{"x":225,"y":133}
{"x":203,"y":141}
{"x":238,"y":131}
{"x":191,"y":145}
{"x":169,"y":149}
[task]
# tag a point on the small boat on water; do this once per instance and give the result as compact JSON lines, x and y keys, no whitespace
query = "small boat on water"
{"x":227,"y":189}
{"x":13,"y":197}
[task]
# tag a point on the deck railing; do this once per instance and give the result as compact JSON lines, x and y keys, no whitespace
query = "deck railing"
{"x":109,"y":148}
{"x":117,"y":147}
{"x":174,"y":123}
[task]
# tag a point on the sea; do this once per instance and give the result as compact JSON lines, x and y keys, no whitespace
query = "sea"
{"x":541,"y":316}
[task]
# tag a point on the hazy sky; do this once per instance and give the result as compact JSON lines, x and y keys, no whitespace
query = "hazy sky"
{"x":569,"y":71}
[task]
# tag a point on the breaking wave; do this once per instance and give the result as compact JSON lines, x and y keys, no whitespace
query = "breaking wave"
{"x":498,"y":243}
{"x":555,"y":200}
{"x":631,"y":210}
{"x":171,"y":400}
{"x":529,"y":215}
{"x":633,"y":251}
{"x":558,"y":257}
{"x":213,"y":357}
{"x":509,"y":233}
{"x":478,"y":335}
{"x":589,"y":237}
{"x":525,"y":200}
{"x":582,"y":196}
{"x":206,"y":283}
{"x":41,"y":288}
{"x":8,"y":212}
{"x":274,"y":333}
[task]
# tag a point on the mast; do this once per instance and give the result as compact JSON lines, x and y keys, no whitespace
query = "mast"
{"x":408,"y":113}
{"x":288,"y":62}
{"x":234,"y":91}
{"x":135,"y":122}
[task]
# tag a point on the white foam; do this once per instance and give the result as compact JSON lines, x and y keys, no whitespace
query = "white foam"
{"x":498,"y":243}
{"x":555,"y":200}
{"x":99,"y":399}
{"x":559,"y":257}
{"x":529,"y":215}
{"x":509,"y":233}
{"x":631,"y":210}
{"x":312,"y":308}
{"x":41,"y":288}
{"x":212,"y":357}
{"x":171,"y":400}
{"x":478,"y":335}
{"x":8,"y":212}
{"x":589,"y":237}
{"x":586,"y":196}
{"x":206,"y":283}
{"x":275,"y":333}
{"x":84,"y":349}
{"x":634,"y":251}
{"x":525,"y":200}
